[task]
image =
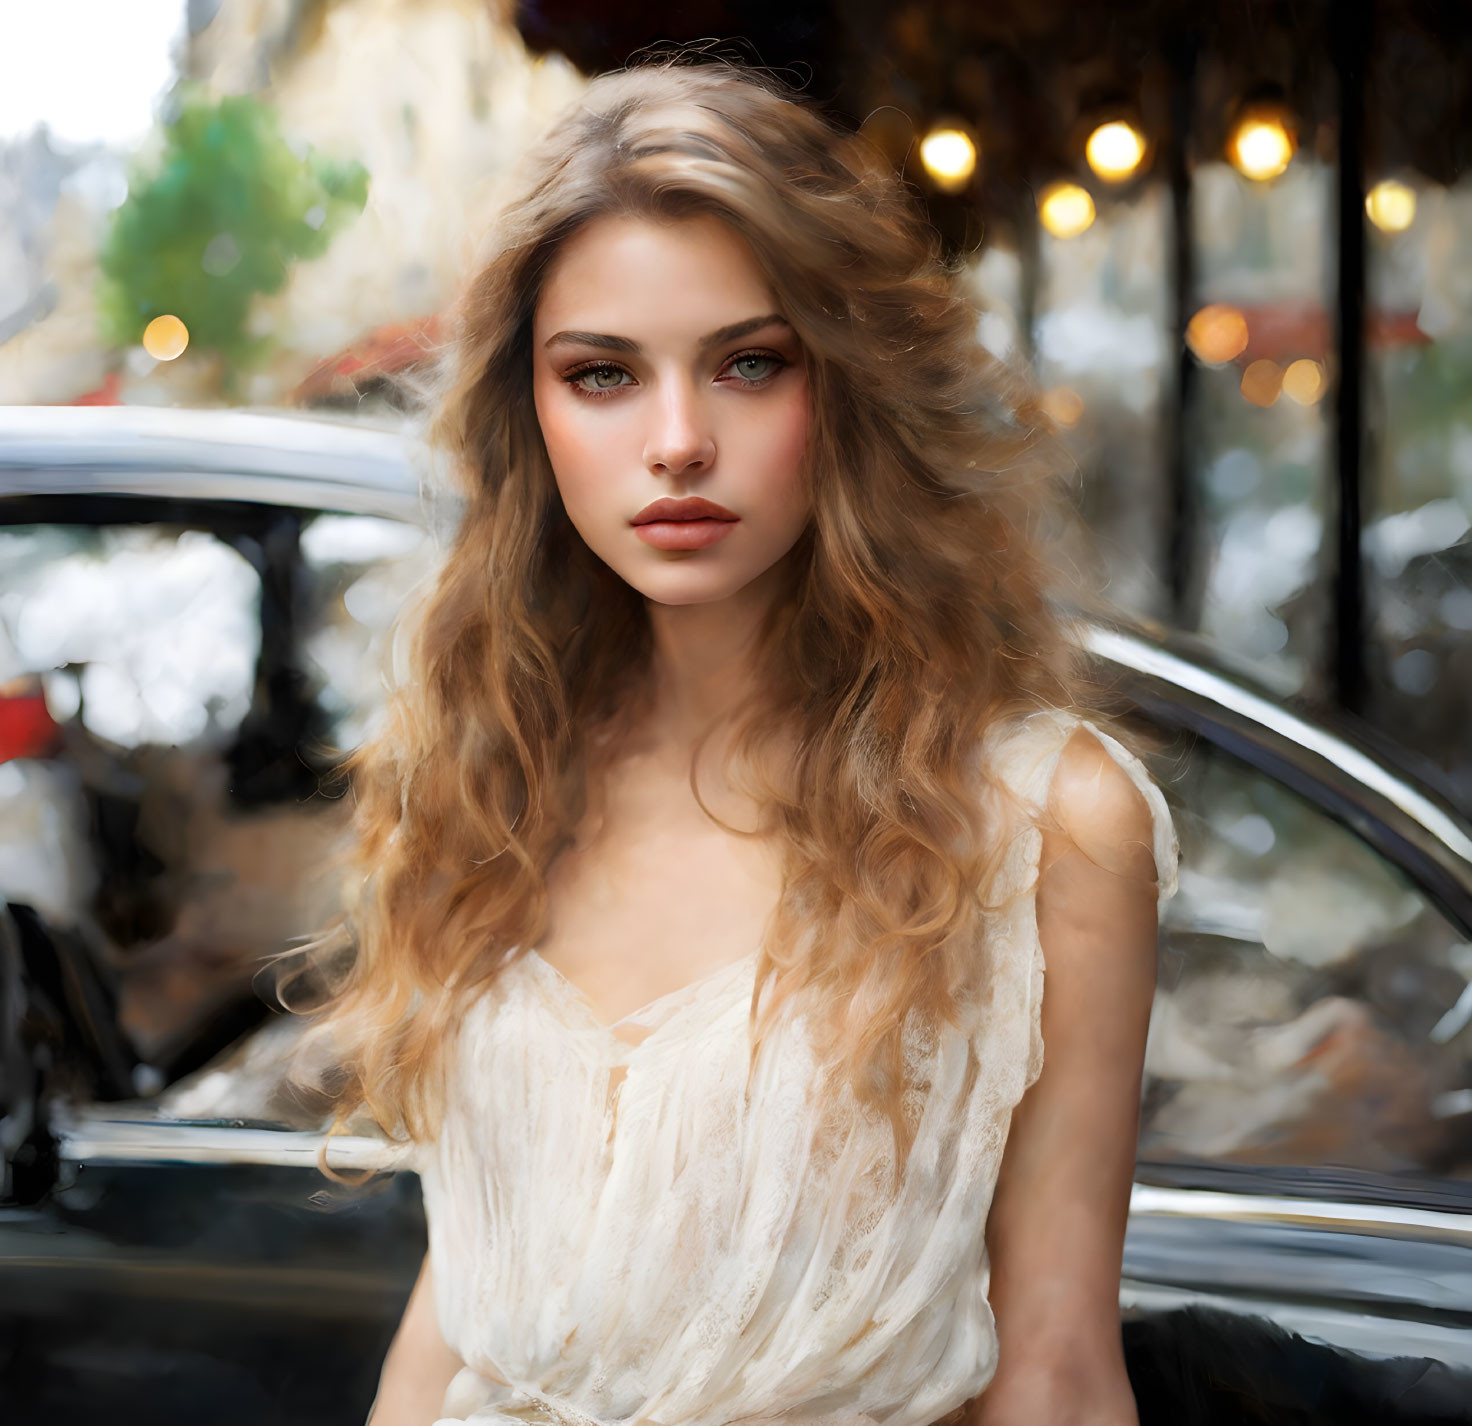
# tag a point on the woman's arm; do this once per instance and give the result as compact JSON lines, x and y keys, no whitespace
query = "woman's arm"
{"x":1056,"y":1228}
{"x":418,"y":1367}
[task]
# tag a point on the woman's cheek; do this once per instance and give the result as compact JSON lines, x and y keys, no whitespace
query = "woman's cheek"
{"x":560,"y":426}
{"x":787,"y":451}
{"x":576,"y":457}
{"x":580,"y":488}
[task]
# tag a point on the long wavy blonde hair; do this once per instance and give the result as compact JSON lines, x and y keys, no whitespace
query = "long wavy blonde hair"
{"x":915,"y":614}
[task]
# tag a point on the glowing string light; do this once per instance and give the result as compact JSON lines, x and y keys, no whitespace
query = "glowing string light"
{"x":1391,"y":205}
{"x":1065,"y":209}
{"x":1262,"y":144}
{"x":1115,"y":150}
{"x":949,"y":157}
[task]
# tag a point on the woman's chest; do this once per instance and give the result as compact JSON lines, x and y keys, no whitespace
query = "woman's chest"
{"x":647,"y":905}
{"x":710,"y":1171}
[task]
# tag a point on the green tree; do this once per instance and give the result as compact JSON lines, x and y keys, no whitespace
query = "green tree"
{"x":219,"y":217}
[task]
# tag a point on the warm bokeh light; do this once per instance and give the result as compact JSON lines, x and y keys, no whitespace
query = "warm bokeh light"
{"x":949,"y":156}
{"x":1217,"y":333}
{"x":1391,"y":205}
{"x":1063,"y":405}
{"x":1115,"y":150}
{"x":1065,"y":209}
{"x":1304,"y":381}
{"x":1262,"y":382}
{"x":165,"y":338}
{"x":1262,"y":144}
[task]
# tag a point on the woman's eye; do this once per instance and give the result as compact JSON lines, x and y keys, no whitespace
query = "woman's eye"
{"x":765,"y":366}
{"x":598,"y":378}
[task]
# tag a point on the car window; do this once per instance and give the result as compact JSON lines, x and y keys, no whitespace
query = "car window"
{"x":363,"y":571}
{"x":119,"y":642}
{"x":146,"y":634}
{"x":171,"y":696}
{"x":1312,"y":1006}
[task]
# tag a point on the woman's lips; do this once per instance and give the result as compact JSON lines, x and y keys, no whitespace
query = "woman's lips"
{"x":683,"y":534}
{"x":691,"y":523}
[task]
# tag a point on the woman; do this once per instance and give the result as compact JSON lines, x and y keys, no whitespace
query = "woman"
{"x":729,"y":803}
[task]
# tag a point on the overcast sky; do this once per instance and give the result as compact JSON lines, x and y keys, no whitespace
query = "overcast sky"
{"x":89,"y":69}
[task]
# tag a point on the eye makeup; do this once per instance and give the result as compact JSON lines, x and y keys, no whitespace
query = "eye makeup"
{"x":574,"y":378}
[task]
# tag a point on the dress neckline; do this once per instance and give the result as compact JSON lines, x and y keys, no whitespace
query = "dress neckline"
{"x":688,"y":990}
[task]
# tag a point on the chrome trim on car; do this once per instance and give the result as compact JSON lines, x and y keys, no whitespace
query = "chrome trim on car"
{"x":1133,"y":652}
{"x":1422,"y":834}
{"x":107,"y":1134}
{"x":96,"y":1135}
{"x":1371,"y":1218}
{"x":294,"y":461}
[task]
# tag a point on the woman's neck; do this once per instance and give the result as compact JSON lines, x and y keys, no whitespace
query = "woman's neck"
{"x":705,"y":661}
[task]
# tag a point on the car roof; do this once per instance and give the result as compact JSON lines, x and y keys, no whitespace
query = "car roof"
{"x":272,"y":458}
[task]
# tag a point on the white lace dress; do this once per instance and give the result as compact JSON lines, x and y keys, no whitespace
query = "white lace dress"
{"x":680,"y":1252}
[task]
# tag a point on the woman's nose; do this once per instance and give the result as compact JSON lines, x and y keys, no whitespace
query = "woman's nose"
{"x":681,"y":440}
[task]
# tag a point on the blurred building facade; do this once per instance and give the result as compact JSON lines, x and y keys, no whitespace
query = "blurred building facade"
{"x":1264,"y":383}
{"x":1301,"y":496}
{"x":436,"y":98}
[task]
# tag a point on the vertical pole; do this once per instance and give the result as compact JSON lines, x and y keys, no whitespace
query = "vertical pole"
{"x":1349,"y":39}
{"x":1028,"y":274}
{"x":1184,"y":582}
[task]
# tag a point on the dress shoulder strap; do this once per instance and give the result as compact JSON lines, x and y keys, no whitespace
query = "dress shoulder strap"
{"x":1024,"y":753}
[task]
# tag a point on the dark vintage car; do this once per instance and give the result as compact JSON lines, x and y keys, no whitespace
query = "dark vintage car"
{"x":193,"y":615}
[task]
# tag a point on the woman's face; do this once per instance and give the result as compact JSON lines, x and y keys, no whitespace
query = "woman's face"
{"x":674,"y":405}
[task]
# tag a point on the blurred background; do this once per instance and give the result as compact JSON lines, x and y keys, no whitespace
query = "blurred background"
{"x":1233,"y":240}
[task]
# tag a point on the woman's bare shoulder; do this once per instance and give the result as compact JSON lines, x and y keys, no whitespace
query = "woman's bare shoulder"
{"x":1100,"y":807}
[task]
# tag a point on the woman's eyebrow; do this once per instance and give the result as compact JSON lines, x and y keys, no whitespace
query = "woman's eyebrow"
{"x":733,"y":333}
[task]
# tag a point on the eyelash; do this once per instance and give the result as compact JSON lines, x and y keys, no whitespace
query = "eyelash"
{"x":573,"y":377}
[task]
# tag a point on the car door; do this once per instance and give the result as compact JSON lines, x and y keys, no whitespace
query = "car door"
{"x":1306,"y":1135}
{"x":205,"y":653}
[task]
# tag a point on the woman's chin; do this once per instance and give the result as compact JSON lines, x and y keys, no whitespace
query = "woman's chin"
{"x":687,"y":583}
